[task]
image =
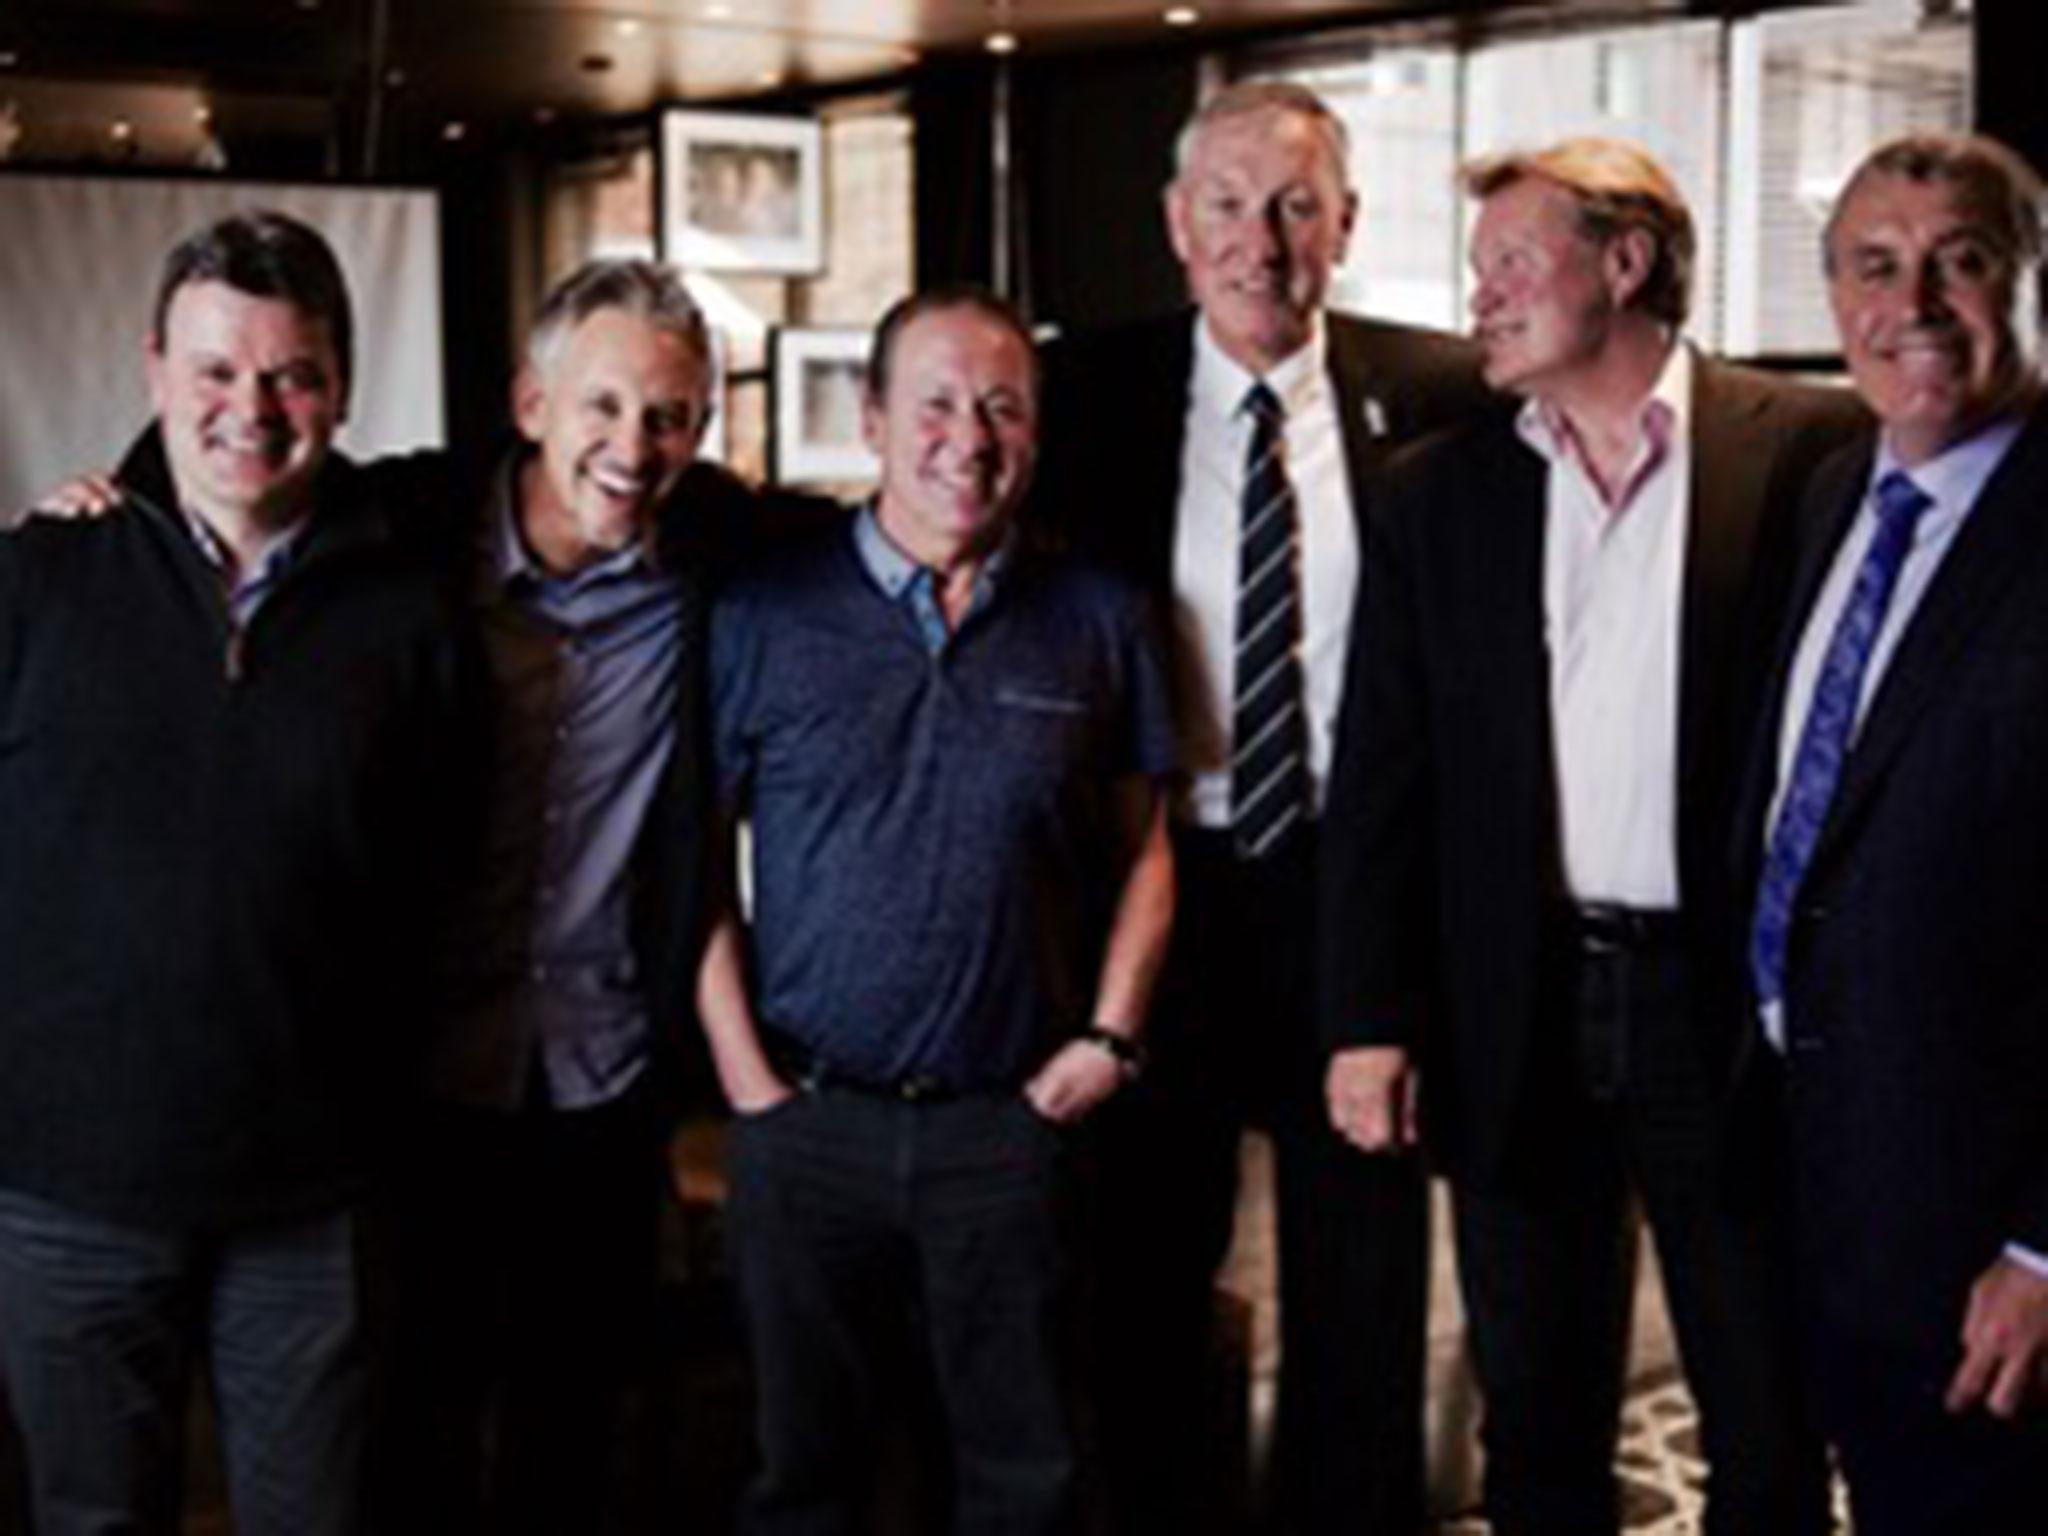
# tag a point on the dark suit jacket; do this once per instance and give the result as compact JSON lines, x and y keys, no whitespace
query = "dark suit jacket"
{"x":1115,"y":414}
{"x":1441,"y":859}
{"x":1917,"y":1000}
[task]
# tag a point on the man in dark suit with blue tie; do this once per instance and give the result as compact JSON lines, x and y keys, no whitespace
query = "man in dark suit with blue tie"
{"x":1229,"y":458}
{"x":1897,"y":838}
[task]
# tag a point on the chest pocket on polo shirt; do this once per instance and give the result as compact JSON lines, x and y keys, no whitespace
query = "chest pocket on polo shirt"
{"x":1043,"y":722}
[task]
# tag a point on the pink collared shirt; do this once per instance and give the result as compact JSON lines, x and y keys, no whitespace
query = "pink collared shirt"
{"x":1613,"y":594}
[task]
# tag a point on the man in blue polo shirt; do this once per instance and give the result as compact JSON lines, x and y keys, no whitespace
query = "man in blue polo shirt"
{"x":949,"y":747}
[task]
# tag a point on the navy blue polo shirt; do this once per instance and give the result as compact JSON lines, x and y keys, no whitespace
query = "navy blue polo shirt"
{"x":934,"y":831}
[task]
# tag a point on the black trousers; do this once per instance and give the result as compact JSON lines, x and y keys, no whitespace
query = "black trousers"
{"x":1633,"y":1110}
{"x":525,"y":1303}
{"x":1234,"y":1045}
{"x":1913,"y":1468}
{"x":874,"y":1238}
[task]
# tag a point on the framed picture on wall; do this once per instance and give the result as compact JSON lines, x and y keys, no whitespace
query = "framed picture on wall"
{"x":741,"y":192}
{"x":816,"y":380}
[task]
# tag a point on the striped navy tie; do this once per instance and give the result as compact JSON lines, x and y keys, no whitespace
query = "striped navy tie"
{"x":1269,"y":731}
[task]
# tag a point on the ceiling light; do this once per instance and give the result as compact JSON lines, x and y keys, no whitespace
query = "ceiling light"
{"x":629,"y":27}
{"x":717,"y":13}
{"x":1183,"y":16}
{"x":9,"y":58}
{"x":1001,"y":42}
{"x":454,"y":130}
{"x":123,"y":130}
{"x":394,"y":77}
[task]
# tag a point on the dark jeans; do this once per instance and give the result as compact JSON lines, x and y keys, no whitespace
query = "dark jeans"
{"x":527,"y":1252}
{"x":101,"y":1327}
{"x":1234,"y":1046}
{"x":867,"y":1231}
{"x":1634,"y":1111}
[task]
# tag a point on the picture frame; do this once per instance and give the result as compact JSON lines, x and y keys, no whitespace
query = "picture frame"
{"x":817,"y":380}
{"x":742,"y":192}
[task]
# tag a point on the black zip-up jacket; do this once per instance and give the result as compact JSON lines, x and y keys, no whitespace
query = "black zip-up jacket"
{"x":216,"y":856}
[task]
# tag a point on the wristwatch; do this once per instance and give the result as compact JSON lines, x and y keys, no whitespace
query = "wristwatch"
{"x":1127,"y":1051}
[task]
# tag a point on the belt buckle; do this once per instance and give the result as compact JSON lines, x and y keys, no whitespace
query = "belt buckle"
{"x":1605,"y":930}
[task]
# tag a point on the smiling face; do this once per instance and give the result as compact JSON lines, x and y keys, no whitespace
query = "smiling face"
{"x":616,"y":414}
{"x":1937,"y":319}
{"x":1545,"y":294}
{"x":249,"y":393}
{"x":1259,"y":217}
{"x":956,"y":433}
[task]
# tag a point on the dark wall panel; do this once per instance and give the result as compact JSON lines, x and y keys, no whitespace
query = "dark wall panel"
{"x":1094,"y":138}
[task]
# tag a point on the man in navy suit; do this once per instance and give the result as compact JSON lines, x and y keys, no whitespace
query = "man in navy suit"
{"x":1150,"y":449}
{"x":1897,"y":834}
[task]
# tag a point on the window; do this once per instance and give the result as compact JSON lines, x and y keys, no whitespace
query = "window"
{"x":1758,"y":121}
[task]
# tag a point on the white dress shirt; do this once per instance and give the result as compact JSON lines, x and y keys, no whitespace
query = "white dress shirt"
{"x":1613,"y":594}
{"x":1217,"y":438}
{"x":1953,"y":480}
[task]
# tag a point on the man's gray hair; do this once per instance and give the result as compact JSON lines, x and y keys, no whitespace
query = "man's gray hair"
{"x":645,"y":288}
{"x":1991,"y":178}
{"x":1249,"y":97}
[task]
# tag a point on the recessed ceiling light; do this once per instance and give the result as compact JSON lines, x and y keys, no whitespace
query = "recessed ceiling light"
{"x":9,"y":58}
{"x":627,"y":27}
{"x":1001,"y":42}
{"x":123,"y":129}
{"x":1183,"y":16}
{"x":394,"y":77}
{"x":454,"y":129}
{"x":717,"y":13}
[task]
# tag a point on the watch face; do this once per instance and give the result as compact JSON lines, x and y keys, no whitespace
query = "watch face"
{"x":1128,"y":1052}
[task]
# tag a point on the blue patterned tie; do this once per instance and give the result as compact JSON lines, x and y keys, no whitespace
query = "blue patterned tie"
{"x":1830,"y":721}
{"x":1269,"y":732}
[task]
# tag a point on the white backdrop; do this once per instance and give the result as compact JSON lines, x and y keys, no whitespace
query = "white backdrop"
{"x":79,"y":261}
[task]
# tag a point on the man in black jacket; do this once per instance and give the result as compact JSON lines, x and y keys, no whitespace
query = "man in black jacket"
{"x":1526,"y":879}
{"x":1157,"y":461}
{"x":223,"y":751}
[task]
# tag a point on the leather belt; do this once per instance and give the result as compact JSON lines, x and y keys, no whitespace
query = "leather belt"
{"x":1599,"y":928}
{"x":806,"y":1070}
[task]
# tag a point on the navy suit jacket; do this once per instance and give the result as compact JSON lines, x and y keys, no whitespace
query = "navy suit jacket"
{"x":1916,"y":996}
